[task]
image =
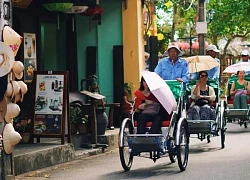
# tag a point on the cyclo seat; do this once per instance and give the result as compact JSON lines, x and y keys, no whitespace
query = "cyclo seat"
{"x":177,"y":90}
{"x":229,"y":83}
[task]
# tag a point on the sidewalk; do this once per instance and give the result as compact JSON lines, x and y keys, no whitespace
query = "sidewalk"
{"x":49,"y":152}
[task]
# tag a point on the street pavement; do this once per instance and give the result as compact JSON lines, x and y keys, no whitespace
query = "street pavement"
{"x":206,"y":162}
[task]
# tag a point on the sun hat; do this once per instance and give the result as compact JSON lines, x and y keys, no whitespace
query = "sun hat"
{"x":173,"y":45}
{"x":10,"y":138}
{"x":23,"y":89}
{"x":3,"y":109}
{"x":18,"y":69}
{"x":6,"y":59}
{"x":12,"y":39}
{"x":245,"y":53}
{"x":212,"y":48}
{"x":13,"y":111}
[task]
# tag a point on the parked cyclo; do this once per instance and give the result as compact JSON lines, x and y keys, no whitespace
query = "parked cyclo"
{"x":206,"y":128}
{"x":233,"y":113}
{"x":173,"y":141}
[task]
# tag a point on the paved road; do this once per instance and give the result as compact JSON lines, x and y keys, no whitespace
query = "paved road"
{"x":206,"y":162}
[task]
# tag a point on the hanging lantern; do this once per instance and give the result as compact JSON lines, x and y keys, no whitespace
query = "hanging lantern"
{"x":160,"y":36}
{"x":58,"y":6}
{"x":206,"y":44}
{"x":185,"y":46}
{"x":195,"y":45}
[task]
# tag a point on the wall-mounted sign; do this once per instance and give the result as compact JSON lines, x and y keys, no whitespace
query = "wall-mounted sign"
{"x":30,"y":64}
{"x":50,"y":104}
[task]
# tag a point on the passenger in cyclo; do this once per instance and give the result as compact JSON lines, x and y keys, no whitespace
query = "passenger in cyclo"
{"x":147,"y":108}
{"x":239,"y":90}
{"x":203,"y":96}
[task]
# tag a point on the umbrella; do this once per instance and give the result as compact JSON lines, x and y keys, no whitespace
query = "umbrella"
{"x":160,"y":90}
{"x":201,"y":63}
{"x":242,"y":66}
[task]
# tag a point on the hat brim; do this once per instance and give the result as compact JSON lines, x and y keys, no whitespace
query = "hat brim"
{"x":5,"y":68}
{"x":19,"y":76}
{"x":179,"y":51}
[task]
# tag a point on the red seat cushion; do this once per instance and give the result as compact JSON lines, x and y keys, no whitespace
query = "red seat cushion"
{"x":165,"y":123}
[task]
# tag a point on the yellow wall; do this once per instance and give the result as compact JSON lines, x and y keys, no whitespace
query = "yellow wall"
{"x":132,"y":42}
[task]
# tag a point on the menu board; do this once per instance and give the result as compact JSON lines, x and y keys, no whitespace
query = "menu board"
{"x":50,"y":103}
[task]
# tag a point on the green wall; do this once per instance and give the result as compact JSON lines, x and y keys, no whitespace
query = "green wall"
{"x":104,"y":36}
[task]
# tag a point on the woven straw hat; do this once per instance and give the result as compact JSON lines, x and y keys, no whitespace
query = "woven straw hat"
{"x":18,"y":69}
{"x":13,"y":111}
{"x":10,"y":138}
{"x":12,"y":39}
{"x":23,"y":89}
{"x":6,"y":59}
{"x":3,"y":109}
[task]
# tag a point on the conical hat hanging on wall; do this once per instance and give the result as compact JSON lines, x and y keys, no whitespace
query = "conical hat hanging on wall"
{"x":11,"y":38}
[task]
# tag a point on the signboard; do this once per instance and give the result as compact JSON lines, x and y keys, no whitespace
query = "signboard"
{"x":50,"y":104}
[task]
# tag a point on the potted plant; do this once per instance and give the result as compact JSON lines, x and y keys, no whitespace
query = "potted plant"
{"x":24,"y":127}
{"x":78,"y":120}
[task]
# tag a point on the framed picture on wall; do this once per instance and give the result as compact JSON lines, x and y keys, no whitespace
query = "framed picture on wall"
{"x":29,"y":67}
{"x":29,"y":45}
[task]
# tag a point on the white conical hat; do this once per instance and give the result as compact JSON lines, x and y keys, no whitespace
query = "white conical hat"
{"x":6,"y":59}
{"x":10,"y":138}
{"x":23,"y":89}
{"x":12,"y":39}
{"x":13,"y":111}
{"x":18,"y":68}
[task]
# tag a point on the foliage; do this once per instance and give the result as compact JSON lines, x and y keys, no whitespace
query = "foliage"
{"x":76,"y":115}
{"x":229,"y":20}
{"x":22,"y":125}
{"x":179,"y":21}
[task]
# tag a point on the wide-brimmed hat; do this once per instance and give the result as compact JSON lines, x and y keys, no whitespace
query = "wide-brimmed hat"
{"x":3,"y":109}
{"x":18,"y":69}
{"x":13,"y":111}
{"x":10,"y":138}
{"x":173,"y":45}
{"x":12,"y":39}
{"x":212,"y":48}
{"x":6,"y":59}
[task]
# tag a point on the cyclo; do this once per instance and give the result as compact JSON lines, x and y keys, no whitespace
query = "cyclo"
{"x":205,"y":129}
{"x":173,"y":142}
{"x":232,"y":114}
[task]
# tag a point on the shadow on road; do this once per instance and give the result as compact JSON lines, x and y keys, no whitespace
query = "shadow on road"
{"x":202,"y":149}
{"x":145,"y":173}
